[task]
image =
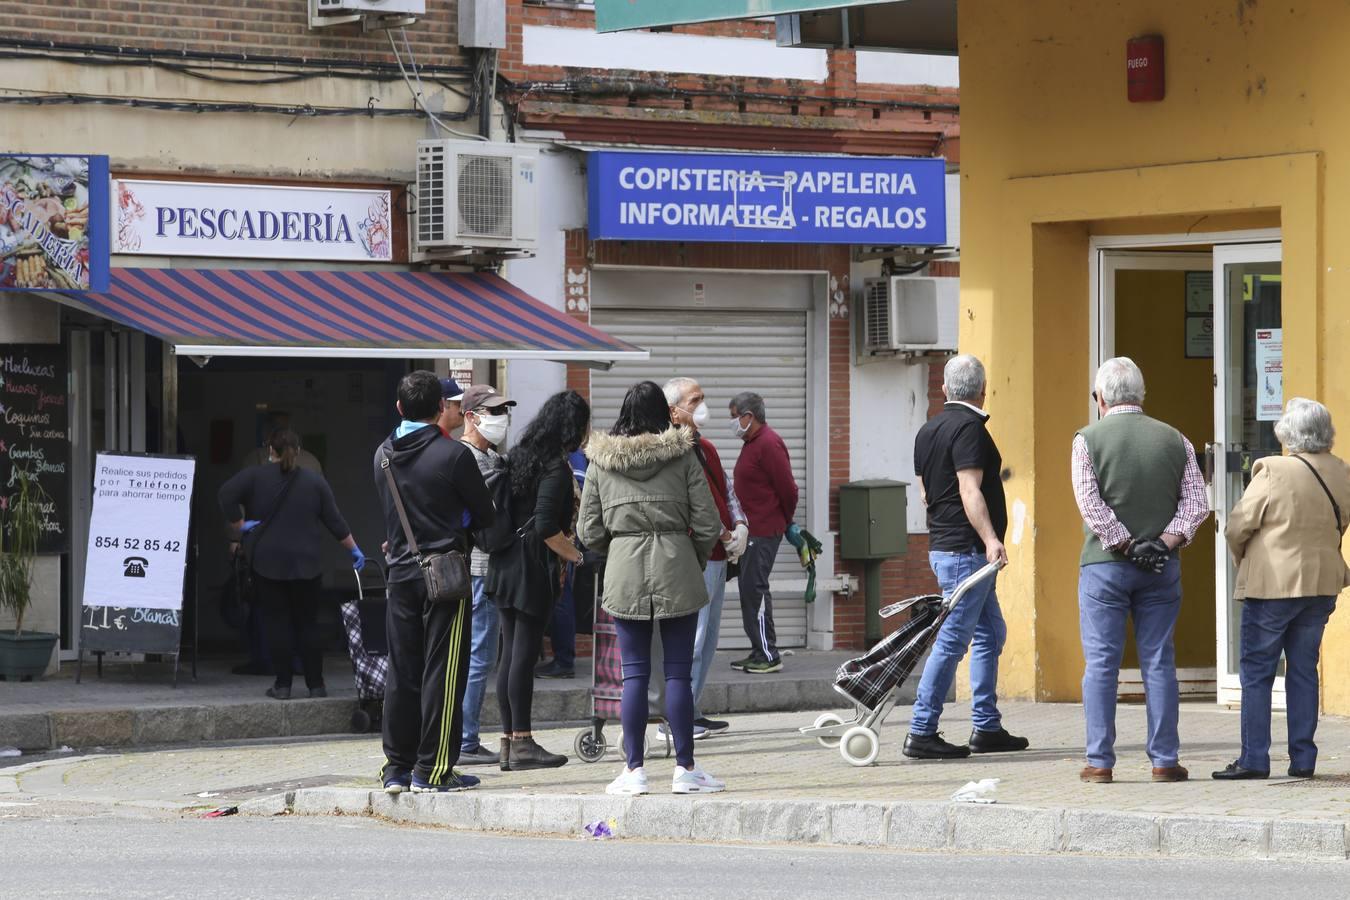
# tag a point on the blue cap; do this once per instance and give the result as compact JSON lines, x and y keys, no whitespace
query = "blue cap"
{"x":450,"y":389}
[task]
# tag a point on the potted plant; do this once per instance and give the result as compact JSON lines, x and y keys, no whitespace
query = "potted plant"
{"x":22,"y":654}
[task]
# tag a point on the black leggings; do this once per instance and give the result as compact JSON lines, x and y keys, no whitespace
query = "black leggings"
{"x":291,"y":611}
{"x":522,"y":639}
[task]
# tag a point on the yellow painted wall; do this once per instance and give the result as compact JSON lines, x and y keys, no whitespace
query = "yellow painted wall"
{"x":1252,"y":132}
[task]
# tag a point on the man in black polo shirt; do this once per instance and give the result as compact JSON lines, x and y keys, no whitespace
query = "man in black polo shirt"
{"x":961,"y":484}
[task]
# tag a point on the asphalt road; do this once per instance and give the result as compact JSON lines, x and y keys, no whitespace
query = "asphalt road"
{"x":47,"y":853}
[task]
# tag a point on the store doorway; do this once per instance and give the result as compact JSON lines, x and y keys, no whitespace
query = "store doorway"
{"x":1202,"y":319}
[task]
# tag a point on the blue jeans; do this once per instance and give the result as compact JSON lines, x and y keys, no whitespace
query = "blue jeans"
{"x":1107,"y":593}
{"x":482,"y":654}
{"x":976,"y":624}
{"x":1269,"y":627}
{"x":709,"y":626}
{"x":562,"y":628}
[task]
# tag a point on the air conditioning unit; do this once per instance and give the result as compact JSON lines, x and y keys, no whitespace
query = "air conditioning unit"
{"x":904,"y":314}
{"x":475,"y":195}
{"x":372,"y":7}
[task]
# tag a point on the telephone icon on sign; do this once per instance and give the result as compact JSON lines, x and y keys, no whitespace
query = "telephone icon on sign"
{"x":135,"y":567}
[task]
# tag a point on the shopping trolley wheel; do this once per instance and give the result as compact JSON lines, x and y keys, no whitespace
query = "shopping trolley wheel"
{"x":360,"y":722}
{"x":825,"y":720}
{"x":859,"y":746}
{"x":590,"y":747}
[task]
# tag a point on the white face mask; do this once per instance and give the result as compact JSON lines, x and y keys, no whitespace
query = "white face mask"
{"x":738,"y":427}
{"x":493,"y":428}
{"x":700,"y":415}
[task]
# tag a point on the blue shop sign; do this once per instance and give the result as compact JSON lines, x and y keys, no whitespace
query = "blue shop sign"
{"x":767,"y":198}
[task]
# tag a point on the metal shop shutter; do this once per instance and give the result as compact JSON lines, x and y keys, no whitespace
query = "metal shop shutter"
{"x":728,"y":352}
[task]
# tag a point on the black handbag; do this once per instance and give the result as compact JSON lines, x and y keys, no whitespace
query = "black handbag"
{"x":446,"y":574}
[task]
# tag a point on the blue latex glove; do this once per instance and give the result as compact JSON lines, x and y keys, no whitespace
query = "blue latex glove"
{"x":358,"y":559}
{"x":794,"y":535}
{"x":249,"y":525}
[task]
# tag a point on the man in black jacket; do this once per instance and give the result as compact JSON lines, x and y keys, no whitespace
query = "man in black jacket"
{"x":444,"y":496}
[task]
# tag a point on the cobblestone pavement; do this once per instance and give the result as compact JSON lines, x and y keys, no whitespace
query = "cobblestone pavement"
{"x":761,"y":758}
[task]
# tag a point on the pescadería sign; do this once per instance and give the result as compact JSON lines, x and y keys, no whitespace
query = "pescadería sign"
{"x":181,"y":218}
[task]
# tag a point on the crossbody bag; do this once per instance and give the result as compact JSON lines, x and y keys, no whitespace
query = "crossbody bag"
{"x":446,"y":574}
{"x":248,"y":547}
{"x":1335,"y":507}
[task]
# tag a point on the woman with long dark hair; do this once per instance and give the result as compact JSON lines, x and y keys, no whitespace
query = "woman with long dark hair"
{"x":648,"y":506}
{"x":524,"y":580}
{"x":282,"y":511}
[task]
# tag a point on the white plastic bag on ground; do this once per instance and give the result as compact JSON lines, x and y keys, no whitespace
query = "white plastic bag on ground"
{"x":981,"y":791}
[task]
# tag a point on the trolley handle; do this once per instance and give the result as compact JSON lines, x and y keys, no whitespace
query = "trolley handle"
{"x":964,"y":587}
{"x":360,"y":585}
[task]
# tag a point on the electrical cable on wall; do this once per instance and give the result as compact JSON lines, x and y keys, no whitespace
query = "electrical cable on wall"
{"x":204,"y":106}
{"x":416,"y":92}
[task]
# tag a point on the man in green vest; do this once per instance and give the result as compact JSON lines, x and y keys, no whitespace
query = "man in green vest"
{"x":1140,"y":492}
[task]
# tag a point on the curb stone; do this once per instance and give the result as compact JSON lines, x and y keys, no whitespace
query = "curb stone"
{"x":897,"y":826}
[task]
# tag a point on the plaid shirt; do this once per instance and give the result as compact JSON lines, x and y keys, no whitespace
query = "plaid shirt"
{"x":1192,"y":509}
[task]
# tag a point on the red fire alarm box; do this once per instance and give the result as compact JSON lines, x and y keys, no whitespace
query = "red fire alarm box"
{"x":1144,"y":68}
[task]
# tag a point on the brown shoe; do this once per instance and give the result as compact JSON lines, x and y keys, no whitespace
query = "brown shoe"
{"x":1171,"y":773}
{"x":1094,"y":775}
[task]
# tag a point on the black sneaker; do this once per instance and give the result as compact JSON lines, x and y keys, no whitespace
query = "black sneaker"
{"x":1302,"y":773}
{"x":456,"y":782}
{"x":712,"y":726}
{"x":279,"y":693}
{"x":932,"y":746}
{"x":996,"y":741}
{"x":478,"y":756}
{"x":318,"y":693}
{"x":395,"y":781}
{"x":763,"y":666}
{"x":740,"y":664}
{"x":552,"y":669}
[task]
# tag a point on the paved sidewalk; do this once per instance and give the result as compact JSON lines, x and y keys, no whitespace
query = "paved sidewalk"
{"x":785,"y":788}
{"x":136,"y":704}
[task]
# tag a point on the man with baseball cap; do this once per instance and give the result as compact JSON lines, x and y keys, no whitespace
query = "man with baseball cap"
{"x":485,"y":415}
{"x":453,"y":416}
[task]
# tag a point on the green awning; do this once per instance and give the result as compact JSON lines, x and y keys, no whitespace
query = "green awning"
{"x":620,"y":15}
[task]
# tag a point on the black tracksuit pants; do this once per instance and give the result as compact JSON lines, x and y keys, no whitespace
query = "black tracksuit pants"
{"x":429,"y":645}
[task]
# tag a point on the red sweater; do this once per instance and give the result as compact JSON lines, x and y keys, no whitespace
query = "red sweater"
{"x":764,"y":484}
{"x":717,"y":483}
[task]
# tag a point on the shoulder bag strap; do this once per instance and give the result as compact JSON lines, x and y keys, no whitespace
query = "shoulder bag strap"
{"x":398,"y":504}
{"x":1335,"y":507}
{"x":276,"y":508}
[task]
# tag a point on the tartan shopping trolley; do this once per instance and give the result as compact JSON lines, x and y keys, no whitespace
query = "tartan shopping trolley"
{"x":363,"y":618}
{"x":871,"y":682}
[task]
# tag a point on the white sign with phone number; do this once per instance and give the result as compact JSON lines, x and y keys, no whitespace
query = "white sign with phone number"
{"x":138,"y":533}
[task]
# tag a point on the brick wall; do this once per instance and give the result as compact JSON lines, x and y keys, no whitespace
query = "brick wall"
{"x":252,"y":27}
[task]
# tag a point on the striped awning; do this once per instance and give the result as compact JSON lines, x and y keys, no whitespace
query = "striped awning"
{"x":246,"y":312}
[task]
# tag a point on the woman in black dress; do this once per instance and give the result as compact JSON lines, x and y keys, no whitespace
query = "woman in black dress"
{"x":524,"y":580}
{"x":285,"y":510}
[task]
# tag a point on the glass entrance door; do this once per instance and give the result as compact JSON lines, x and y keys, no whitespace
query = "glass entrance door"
{"x":1248,"y":400}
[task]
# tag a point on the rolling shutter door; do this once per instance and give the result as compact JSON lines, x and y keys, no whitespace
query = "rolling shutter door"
{"x":727,"y":352}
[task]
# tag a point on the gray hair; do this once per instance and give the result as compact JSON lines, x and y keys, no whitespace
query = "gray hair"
{"x":676,"y":388}
{"x":749,"y":402}
{"x":1305,"y":427}
{"x":963,"y":378}
{"x":1119,"y":382}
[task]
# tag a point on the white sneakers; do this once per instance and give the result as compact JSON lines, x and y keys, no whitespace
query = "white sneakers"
{"x":686,"y":781}
{"x":695,"y":781}
{"x":629,"y":782}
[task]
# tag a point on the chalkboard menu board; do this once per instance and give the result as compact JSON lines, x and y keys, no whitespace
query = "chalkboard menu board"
{"x":35,"y":432}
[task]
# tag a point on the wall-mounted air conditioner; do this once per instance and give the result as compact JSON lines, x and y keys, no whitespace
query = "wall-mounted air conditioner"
{"x":905,"y":314}
{"x":372,"y":7}
{"x":475,"y":195}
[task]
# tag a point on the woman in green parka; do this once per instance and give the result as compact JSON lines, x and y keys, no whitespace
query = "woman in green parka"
{"x":647,"y":506}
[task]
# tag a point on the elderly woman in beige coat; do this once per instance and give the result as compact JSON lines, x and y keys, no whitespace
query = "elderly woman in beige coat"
{"x":1285,"y":536}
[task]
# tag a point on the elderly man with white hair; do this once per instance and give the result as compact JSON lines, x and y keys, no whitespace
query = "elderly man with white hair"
{"x":1285,"y":536}
{"x":1142,"y":498}
{"x":961,"y":481}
